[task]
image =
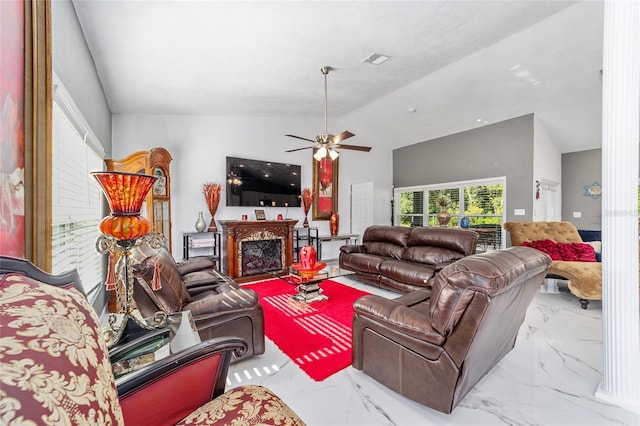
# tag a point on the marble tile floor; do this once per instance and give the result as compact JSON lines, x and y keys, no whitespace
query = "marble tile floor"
{"x":549,"y":378}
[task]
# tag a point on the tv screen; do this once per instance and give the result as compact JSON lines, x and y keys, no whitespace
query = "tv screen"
{"x":254,"y":183}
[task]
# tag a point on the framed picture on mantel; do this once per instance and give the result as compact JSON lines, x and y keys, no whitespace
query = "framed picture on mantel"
{"x":325,"y":187}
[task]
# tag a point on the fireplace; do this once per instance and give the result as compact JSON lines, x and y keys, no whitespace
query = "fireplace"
{"x":260,"y":256}
{"x":256,"y":249}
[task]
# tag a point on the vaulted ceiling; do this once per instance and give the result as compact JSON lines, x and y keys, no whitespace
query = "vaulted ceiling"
{"x":264,"y":58}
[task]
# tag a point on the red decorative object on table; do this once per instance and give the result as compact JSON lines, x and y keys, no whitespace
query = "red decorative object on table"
{"x":308,"y":257}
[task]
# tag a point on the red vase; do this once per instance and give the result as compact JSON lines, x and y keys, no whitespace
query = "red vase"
{"x":308,"y":257}
{"x":334,"y":223}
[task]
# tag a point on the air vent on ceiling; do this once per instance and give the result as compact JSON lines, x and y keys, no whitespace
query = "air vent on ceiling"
{"x":376,"y":59}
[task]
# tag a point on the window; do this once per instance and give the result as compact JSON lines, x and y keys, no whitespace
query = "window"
{"x":482,"y":201}
{"x":76,"y":197}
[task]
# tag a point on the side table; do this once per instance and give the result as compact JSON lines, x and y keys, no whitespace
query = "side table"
{"x":318,"y":240}
{"x":180,"y":333}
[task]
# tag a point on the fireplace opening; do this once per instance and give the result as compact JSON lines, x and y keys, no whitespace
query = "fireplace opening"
{"x":259,"y":256}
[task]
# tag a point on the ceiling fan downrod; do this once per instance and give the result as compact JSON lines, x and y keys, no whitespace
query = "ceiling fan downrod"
{"x":325,"y":71}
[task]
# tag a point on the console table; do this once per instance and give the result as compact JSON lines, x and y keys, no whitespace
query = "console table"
{"x":318,"y":240}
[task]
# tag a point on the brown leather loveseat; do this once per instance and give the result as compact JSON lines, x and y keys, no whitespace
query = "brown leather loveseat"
{"x":220,"y":307}
{"x":433,"y":345}
{"x":405,"y":259}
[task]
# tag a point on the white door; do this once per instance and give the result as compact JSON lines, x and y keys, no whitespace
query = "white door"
{"x":361,"y":207}
{"x":549,"y":200}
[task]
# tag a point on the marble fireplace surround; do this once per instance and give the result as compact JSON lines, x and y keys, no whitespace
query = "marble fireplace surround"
{"x":235,"y":232}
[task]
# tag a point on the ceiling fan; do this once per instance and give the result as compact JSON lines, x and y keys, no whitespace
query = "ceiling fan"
{"x":326,"y":143}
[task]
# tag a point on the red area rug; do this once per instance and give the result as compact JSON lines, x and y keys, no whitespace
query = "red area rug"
{"x":316,"y":336}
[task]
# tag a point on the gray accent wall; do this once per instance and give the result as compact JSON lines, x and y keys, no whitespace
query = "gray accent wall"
{"x":74,"y":66}
{"x":501,"y":149}
{"x":580,"y":169}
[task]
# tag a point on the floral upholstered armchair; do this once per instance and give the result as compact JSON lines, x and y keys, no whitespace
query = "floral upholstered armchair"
{"x":56,"y":370}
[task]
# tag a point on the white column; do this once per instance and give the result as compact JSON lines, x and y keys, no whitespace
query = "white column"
{"x":620,"y":140}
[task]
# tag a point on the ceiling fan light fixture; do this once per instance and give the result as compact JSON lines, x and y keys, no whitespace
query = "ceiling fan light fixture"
{"x":320,"y":153}
{"x":333,"y":154}
{"x":376,"y":59}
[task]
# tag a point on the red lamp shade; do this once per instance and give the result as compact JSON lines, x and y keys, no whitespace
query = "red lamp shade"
{"x":125,"y":192}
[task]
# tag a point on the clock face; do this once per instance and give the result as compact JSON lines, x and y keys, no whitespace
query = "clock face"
{"x":160,"y":187}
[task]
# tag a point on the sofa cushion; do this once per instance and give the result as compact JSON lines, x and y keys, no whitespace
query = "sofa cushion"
{"x":244,"y":405}
{"x":430,"y":255}
{"x":458,"y":240}
{"x":195,"y":264}
{"x":417,"y":274}
{"x":54,"y":361}
{"x":173,"y":294}
{"x":362,"y":262}
{"x":387,"y":241}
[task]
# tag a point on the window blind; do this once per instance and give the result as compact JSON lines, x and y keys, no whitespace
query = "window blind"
{"x":76,"y":198}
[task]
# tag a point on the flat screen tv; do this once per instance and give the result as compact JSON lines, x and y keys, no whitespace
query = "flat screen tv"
{"x":255,"y":183}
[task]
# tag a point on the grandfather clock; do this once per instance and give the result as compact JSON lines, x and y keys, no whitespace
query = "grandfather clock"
{"x":157,"y":207}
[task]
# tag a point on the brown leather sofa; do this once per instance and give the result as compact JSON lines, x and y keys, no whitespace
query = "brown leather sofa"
{"x":405,"y":259}
{"x":220,"y":307}
{"x":434,"y":344}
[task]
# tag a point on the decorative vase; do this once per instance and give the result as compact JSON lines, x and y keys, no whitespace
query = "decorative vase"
{"x":465,"y":222}
{"x":201,"y":225}
{"x":307,"y":197}
{"x":444,"y":217}
{"x":211,"y":192}
{"x":334,"y":223}
{"x":308,"y":257}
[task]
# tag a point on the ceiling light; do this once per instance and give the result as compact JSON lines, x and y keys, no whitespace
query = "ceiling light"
{"x":376,"y":59}
{"x":333,"y":154}
{"x":320,"y":153}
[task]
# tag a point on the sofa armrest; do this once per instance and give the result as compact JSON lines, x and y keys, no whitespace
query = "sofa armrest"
{"x":207,"y":305}
{"x":353,"y":248}
{"x":398,"y":315}
{"x":168,"y":390}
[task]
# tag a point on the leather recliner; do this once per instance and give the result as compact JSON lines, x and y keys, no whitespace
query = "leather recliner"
{"x":219,"y":306}
{"x":433,"y":345}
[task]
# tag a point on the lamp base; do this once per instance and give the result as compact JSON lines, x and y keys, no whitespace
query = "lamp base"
{"x":130,"y":327}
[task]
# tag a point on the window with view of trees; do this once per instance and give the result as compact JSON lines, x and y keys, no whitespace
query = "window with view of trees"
{"x":481,"y":201}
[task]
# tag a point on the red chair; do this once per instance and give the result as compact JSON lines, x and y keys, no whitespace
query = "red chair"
{"x":56,"y":370}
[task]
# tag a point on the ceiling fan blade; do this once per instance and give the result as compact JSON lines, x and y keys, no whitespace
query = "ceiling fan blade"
{"x":300,"y":149}
{"x":300,"y":137}
{"x":342,"y":136}
{"x":353,"y":147}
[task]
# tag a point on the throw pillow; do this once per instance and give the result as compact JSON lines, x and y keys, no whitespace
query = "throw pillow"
{"x":597,"y":247}
{"x":577,"y":252}
{"x":549,"y":247}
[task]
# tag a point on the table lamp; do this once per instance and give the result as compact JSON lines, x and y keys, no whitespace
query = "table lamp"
{"x":123,"y":229}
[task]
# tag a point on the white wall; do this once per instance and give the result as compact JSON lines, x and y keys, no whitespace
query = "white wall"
{"x":199,"y":145}
{"x":547,"y":167}
{"x":74,"y":66}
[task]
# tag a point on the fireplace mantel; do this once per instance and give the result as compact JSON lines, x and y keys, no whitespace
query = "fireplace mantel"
{"x":236,"y":231}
